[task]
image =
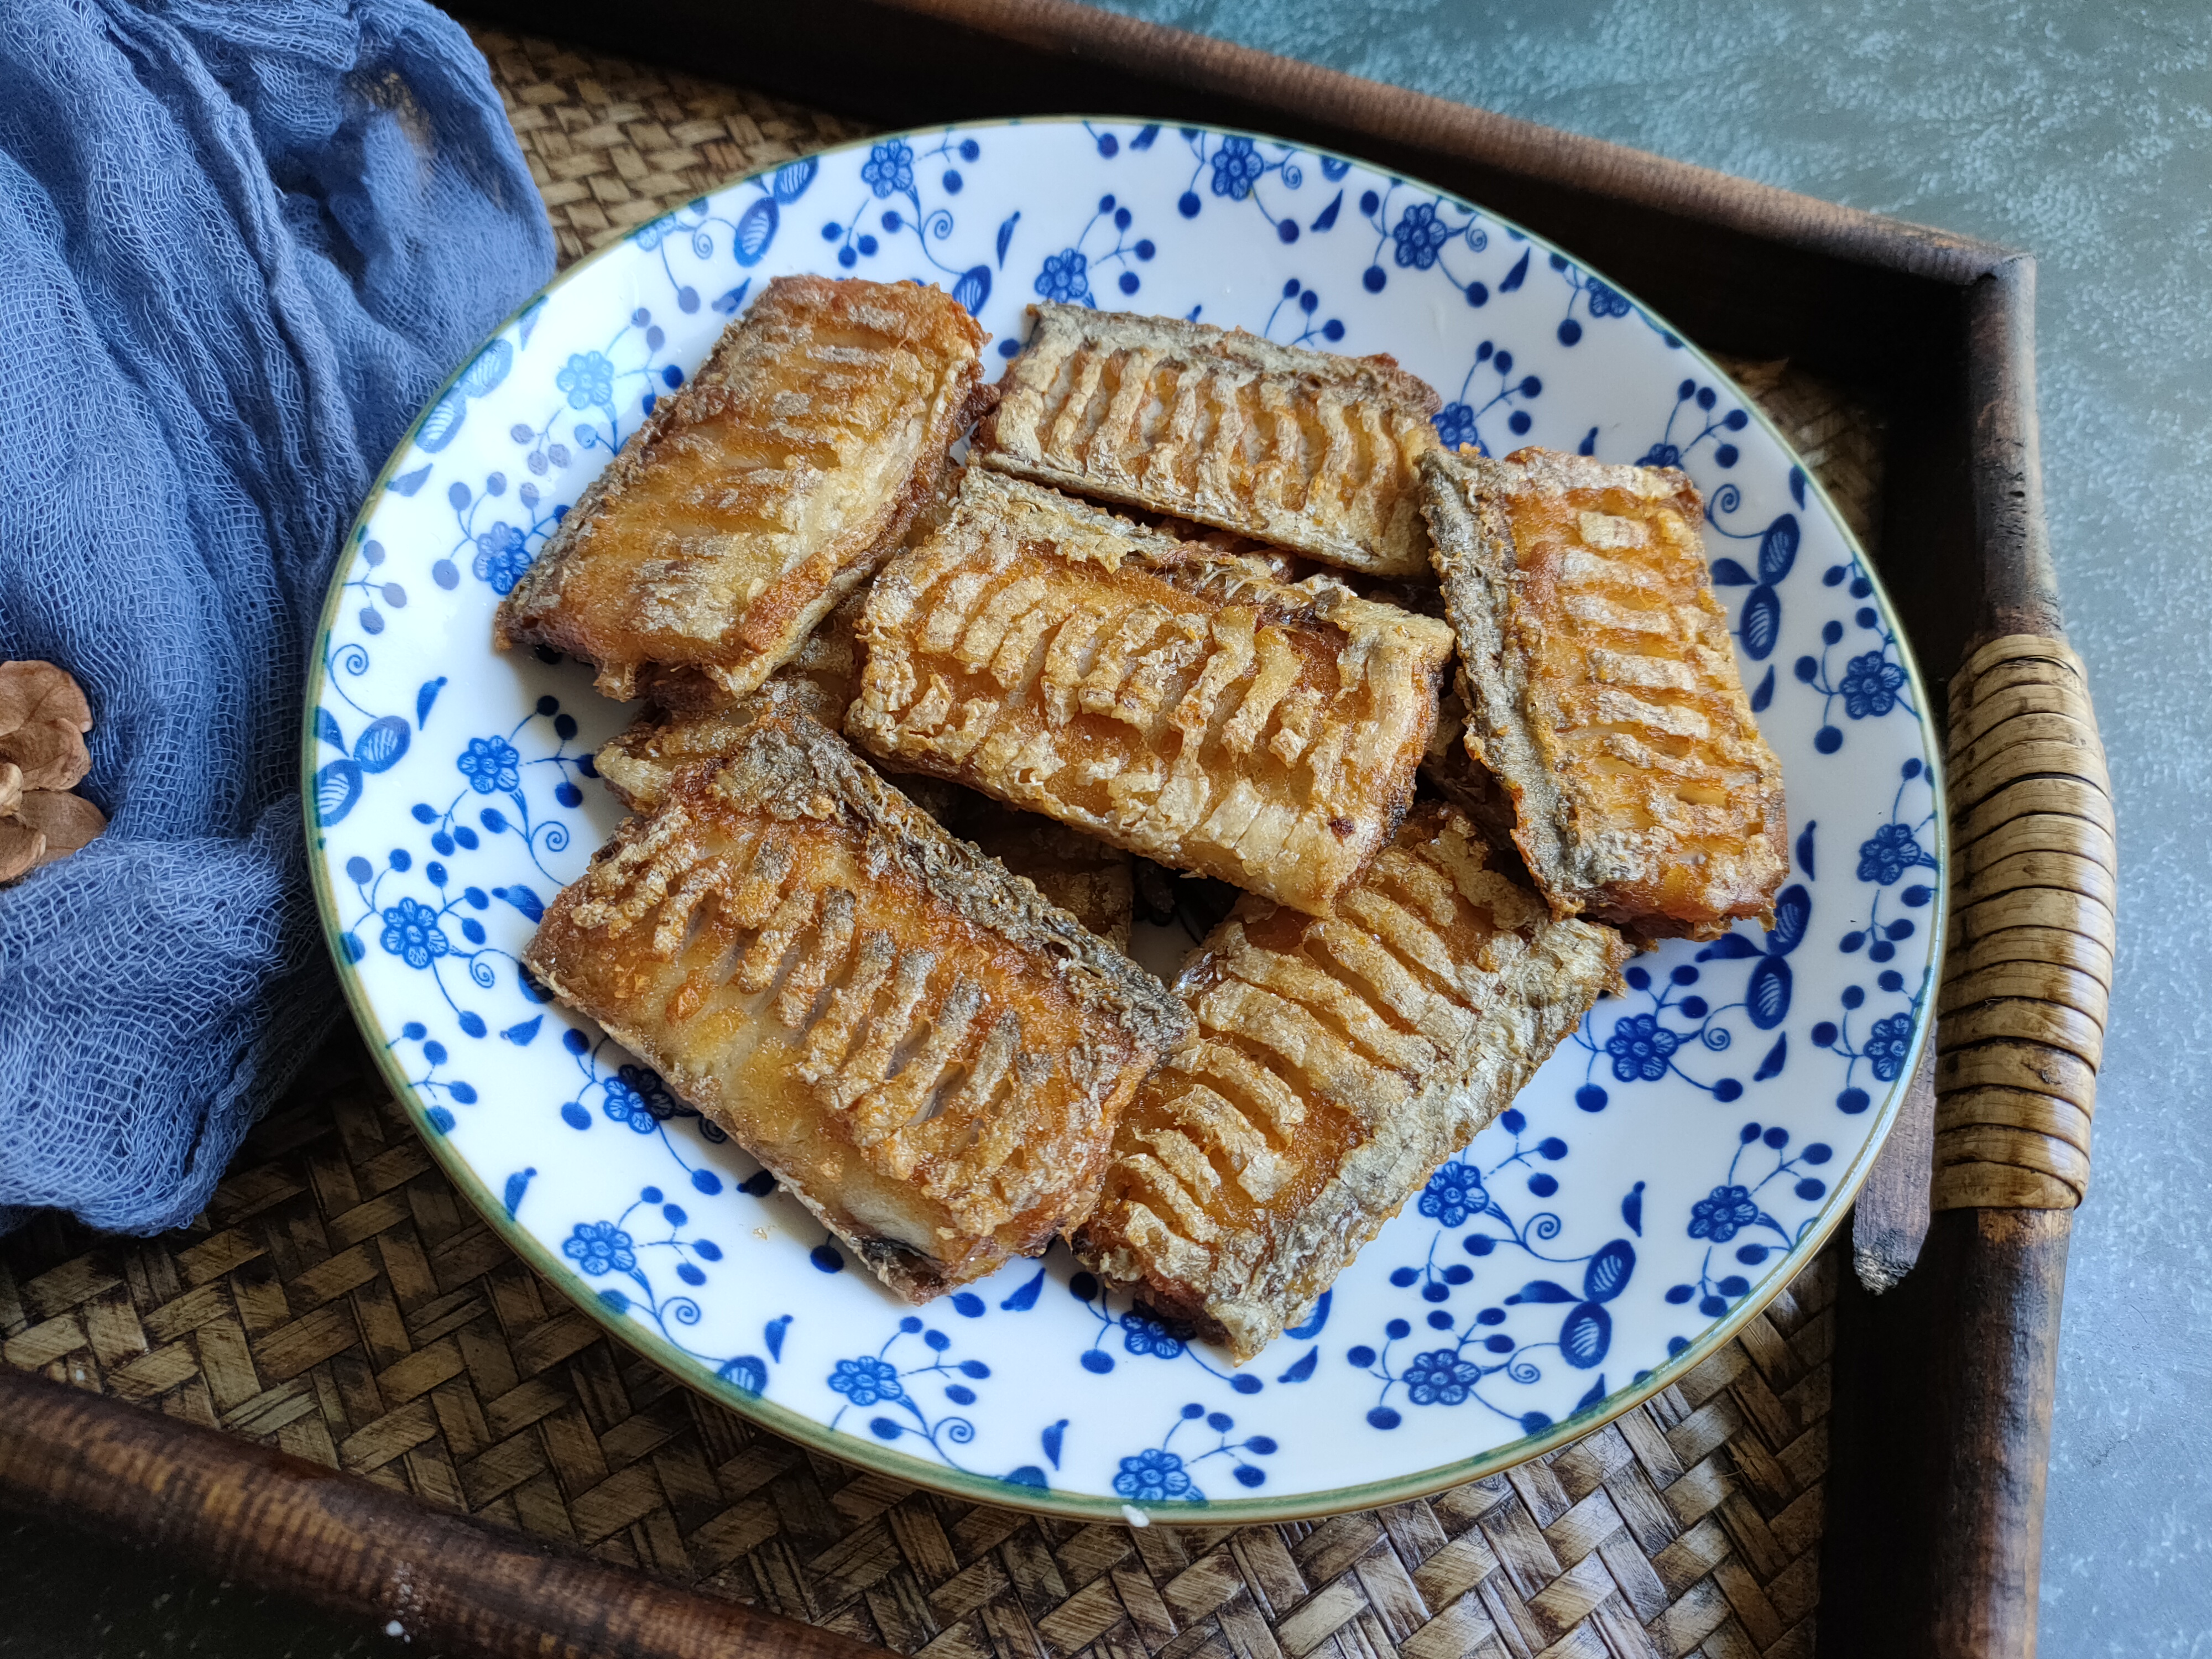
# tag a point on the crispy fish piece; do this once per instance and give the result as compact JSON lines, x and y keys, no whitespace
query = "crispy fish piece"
{"x":824,"y":674}
{"x":755,"y":498}
{"x":642,"y":763}
{"x":1336,"y":1064}
{"x":1079,"y":873}
{"x":930,"y":1056}
{"x":1602,"y":690}
{"x":1305,"y":450}
{"x":1190,"y":708}
{"x":1206,"y":540}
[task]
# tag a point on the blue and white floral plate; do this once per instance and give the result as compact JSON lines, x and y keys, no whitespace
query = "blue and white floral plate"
{"x":1669,"y":1170}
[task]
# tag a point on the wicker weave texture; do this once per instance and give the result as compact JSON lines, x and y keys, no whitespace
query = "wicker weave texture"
{"x":612,"y":143}
{"x":342,"y":1300}
{"x":2033,"y":887}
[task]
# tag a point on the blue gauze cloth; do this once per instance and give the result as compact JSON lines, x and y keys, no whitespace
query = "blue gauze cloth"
{"x":240,"y":244}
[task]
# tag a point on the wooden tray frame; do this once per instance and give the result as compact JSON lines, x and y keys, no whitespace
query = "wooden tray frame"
{"x":1940,"y":1428}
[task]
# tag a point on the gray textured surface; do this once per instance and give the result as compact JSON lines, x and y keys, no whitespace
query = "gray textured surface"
{"x":2082,"y":133}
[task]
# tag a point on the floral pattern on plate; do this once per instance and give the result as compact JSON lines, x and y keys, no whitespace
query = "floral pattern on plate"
{"x":1667,"y":1170}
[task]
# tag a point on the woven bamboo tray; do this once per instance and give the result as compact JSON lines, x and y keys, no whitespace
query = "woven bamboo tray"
{"x":340,"y":1302}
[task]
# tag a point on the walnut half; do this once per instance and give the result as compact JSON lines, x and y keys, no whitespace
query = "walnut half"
{"x":20,"y":847}
{"x":43,"y":718}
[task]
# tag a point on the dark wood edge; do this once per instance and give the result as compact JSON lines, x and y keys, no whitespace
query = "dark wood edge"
{"x":2003,"y":1272}
{"x":1941,"y":1436}
{"x":1307,"y":96}
{"x":2019,"y":587}
{"x":454,"y":1584}
{"x":2002,"y":1276}
{"x":1939,"y":1443}
{"x":1890,"y":1216}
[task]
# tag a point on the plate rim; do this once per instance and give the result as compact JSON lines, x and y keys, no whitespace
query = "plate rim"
{"x":851,"y":1449}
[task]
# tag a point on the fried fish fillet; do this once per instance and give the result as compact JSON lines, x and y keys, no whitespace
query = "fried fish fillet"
{"x":1336,"y":1064}
{"x":756,"y":498}
{"x":1602,"y":690}
{"x":1190,"y":708}
{"x":823,"y":673}
{"x":1304,"y":450}
{"x":1091,"y":881}
{"x":930,"y":1056}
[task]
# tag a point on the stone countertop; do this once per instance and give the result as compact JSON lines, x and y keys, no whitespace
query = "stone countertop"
{"x":2082,"y":133}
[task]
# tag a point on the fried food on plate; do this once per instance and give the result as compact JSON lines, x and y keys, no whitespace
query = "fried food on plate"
{"x":760,"y":495}
{"x":1337,"y":1063}
{"x":1190,"y":708}
{"x":929,"y":1056}
{"x":819,"y":681}
{"x":1304,"y":450}
{"x":1079,"y":873}
{"x":1602,"y":690}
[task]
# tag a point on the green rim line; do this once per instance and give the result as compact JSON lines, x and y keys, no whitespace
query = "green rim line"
{"x":901,"y":1465}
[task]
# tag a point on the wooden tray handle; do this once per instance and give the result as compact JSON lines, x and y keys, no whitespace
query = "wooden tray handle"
{"x":282,"y":1523}
{"x":2021,"y":1015}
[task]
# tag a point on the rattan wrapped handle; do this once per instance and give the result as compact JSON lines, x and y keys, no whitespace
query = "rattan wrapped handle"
{"x":2026,"y":983}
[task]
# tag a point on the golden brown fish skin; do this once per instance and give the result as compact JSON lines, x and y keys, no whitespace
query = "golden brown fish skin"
{"x":1336,"y":1064}
{"x":760,"y":495}
{"x":1204,"y":541}
{"x":1603,"y":692}
{"x":1081,"y":874}
{"x":824,"y":674}
{"x":784,"y":926}
{"x":1191,"y":709}
{"x":1308,"y":451}
{"x":641,"y":763}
